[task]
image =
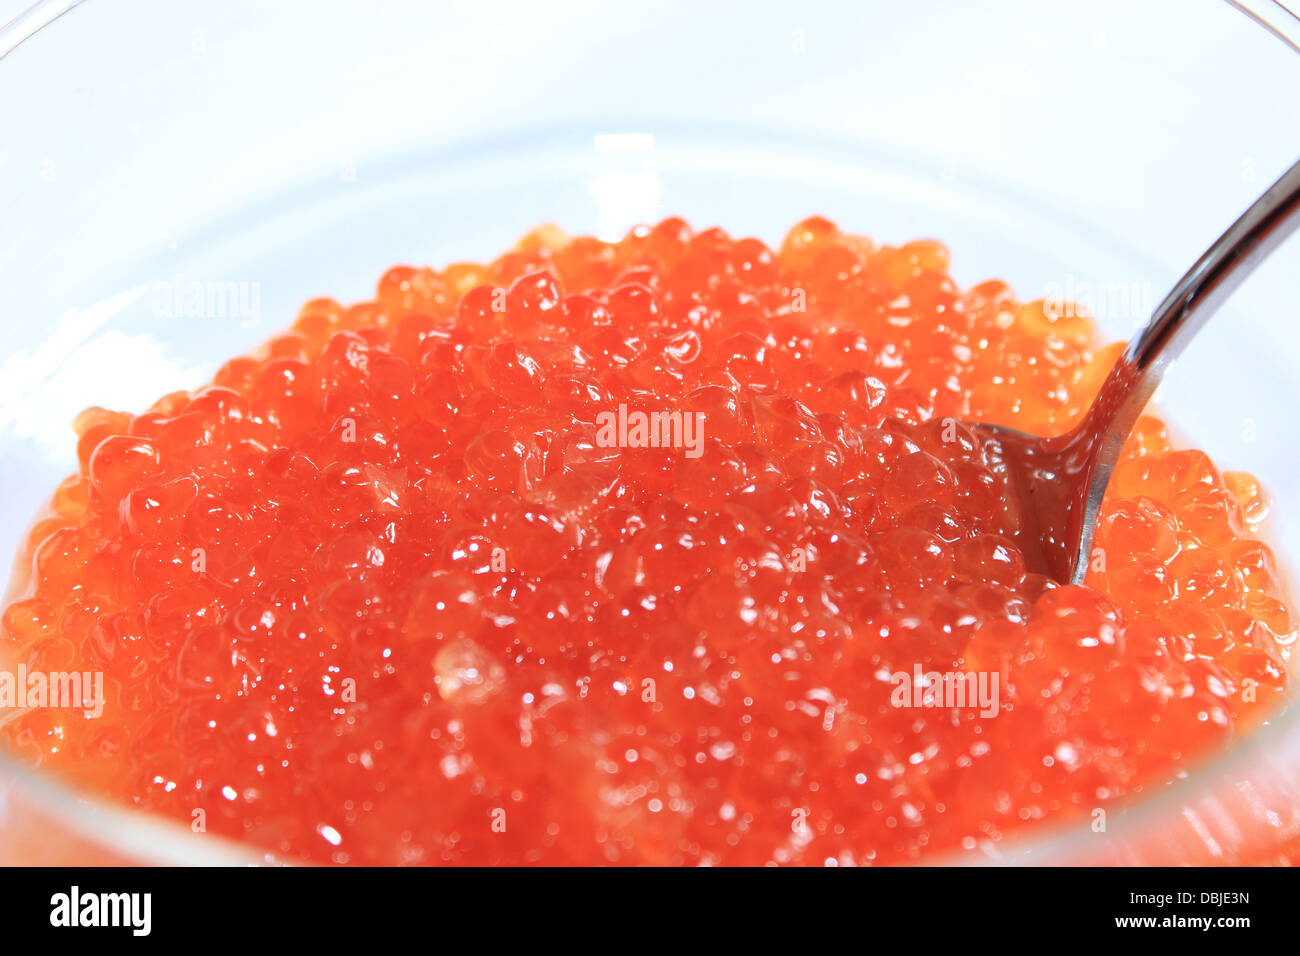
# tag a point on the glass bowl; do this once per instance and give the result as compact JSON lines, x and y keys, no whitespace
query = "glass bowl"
{"x":276,"y":153}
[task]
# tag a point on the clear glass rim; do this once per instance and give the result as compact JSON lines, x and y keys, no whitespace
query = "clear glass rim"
{"x":1273,"y":15}
{"x":151,"y":838}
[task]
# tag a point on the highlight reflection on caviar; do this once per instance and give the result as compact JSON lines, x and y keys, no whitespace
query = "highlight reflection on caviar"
{"x":385,"y":592}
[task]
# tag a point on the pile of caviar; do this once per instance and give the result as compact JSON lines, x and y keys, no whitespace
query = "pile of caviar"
{"x":379,"y":593}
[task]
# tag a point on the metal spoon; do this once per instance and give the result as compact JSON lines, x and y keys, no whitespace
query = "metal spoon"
{"x":1061,"y":480}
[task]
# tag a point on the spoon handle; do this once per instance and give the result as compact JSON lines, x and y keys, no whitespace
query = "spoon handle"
{"x":1093,"y":447}
{"x":1196,"y":297}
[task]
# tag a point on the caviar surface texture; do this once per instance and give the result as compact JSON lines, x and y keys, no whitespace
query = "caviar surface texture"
{"x":381,"y":593}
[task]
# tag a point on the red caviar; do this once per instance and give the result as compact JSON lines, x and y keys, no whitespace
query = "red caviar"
{"x":382,"y":594}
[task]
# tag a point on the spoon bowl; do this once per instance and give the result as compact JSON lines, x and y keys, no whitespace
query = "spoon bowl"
{"x":1061,"y":481}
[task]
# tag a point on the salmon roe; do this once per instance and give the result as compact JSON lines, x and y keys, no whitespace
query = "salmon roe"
{"x":382,"y":594}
